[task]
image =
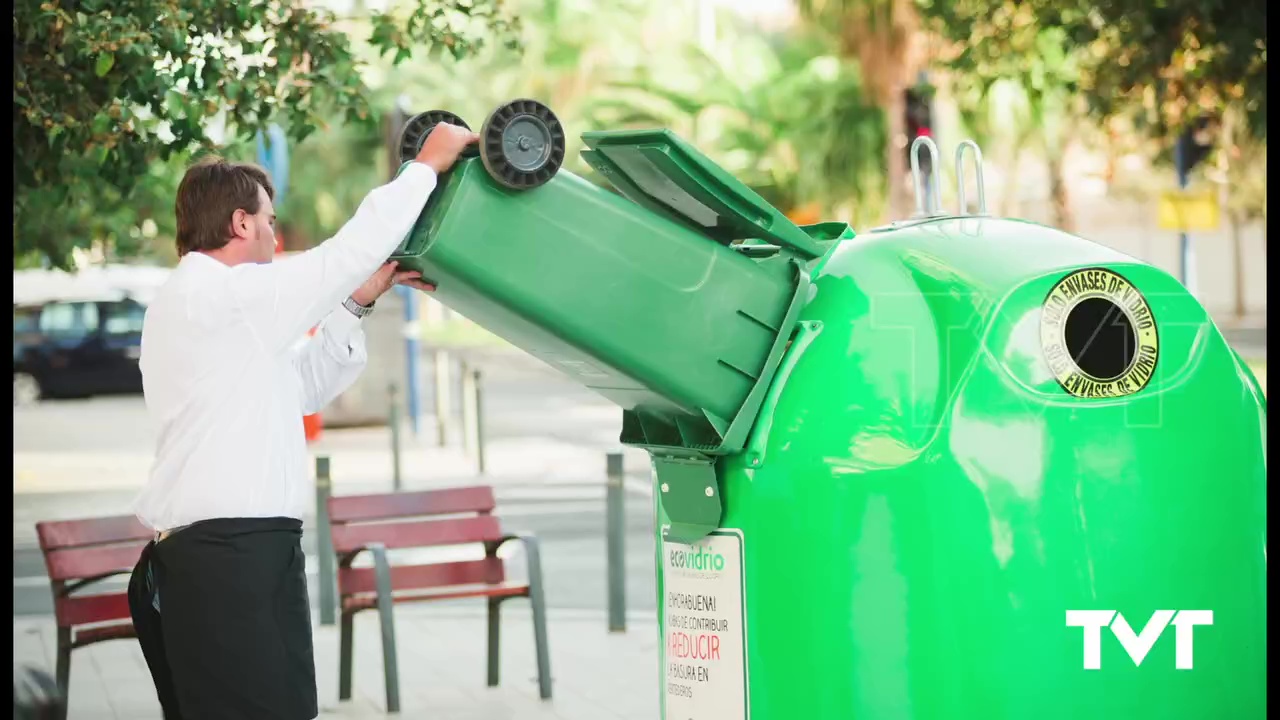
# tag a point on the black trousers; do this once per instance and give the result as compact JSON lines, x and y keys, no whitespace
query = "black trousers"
{"x":231,"y":638}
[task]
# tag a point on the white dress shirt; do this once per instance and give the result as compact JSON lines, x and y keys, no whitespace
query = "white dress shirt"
{"x":227,"y":376}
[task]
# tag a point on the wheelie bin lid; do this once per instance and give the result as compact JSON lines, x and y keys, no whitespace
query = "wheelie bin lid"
{"x":666,"y":175}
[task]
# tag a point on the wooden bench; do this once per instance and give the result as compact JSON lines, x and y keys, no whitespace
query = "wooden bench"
{"x":433,"y":518}
{"x":78,"y":553}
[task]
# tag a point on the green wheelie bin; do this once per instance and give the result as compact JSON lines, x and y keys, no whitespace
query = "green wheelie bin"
{"x":644,"y":297}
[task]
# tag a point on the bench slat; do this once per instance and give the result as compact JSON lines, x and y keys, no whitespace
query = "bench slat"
{"x":364,"y":601}
{"x":86,"y":609}
{"x":118,"y":631}
{"x":386,"y":506}
{"x":91,"y":531}
{"x":86,"y":562}
{"x":417,"y":533}
{"x":488,"y":571}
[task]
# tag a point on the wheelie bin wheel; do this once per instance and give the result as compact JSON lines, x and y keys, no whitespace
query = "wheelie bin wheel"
{"x":419,"y":126}
{"x":522,"y":144}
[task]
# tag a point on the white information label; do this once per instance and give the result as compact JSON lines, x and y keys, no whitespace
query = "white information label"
{"x":703,"y":615}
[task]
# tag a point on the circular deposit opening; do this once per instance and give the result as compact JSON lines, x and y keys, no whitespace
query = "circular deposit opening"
{"x":1100,"y":338}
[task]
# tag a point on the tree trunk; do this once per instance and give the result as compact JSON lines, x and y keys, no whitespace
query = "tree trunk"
{"x":900,"y":193}
{"x":1234,"y":219}
{"x":1008,"y":198}
{"x":1237,"y":245}
{"x":1062,"y":217}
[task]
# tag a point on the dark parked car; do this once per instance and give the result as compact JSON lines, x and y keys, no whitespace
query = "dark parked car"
{"x":76,"y":349}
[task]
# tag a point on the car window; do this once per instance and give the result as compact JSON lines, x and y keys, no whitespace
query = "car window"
{"x":124,"y":318}
{"x":65,"y":320}
{"x":25,"y":320}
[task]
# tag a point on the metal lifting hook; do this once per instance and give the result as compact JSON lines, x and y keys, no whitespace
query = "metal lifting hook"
{"x":960,"y":193}
{"x":935,"y":207}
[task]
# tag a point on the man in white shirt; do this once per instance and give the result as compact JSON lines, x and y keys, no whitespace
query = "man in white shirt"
{"x":219,"y":600}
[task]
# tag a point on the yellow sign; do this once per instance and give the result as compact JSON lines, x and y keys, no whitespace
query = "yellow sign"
{"x":1189,"y":211}
{"x":1098,"y":335}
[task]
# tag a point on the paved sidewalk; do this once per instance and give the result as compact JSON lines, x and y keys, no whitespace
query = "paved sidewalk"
{"x":597,"y":675}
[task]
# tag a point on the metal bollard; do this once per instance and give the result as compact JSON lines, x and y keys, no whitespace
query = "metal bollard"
{"x":442,"y":397}
{"x":615,"y":533}
{"x":393,"y":419}
{"x":472,"y":433}
{"x":468,"y":410}
{"x":479,"y":431}
{"x":412,"y":341}
{"x":324,"y":543}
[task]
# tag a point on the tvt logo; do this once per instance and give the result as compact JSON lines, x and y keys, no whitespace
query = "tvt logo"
{"x":1139,"y":644}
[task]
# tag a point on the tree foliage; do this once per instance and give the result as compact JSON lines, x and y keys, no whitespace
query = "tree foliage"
{"x":50,"y":222}
{"x":1001,"y":58}
{"x":569,"y":50}
{"x":883,"y":37}
{"x":104,"y":92}
{"x":1160,"y":63}
{"x":789,"y":118}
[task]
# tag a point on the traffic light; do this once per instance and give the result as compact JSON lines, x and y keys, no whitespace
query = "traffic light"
{"x":919,"y":110}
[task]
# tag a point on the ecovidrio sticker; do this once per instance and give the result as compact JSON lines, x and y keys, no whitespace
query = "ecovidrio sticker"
{"x":704,"y":624}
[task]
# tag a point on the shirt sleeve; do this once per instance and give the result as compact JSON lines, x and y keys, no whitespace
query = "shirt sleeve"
{"x":283,"y":300}
{"x":331,"y":360}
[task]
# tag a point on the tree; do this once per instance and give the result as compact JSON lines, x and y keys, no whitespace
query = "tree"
{"x":1162,"y":63}
{"x":568,"y":51}
{"x":50,"y":222}
{"x":883,"y":37}
{"x":788,"y":118}
{"x":1001,"y":49}
{"x":1158,"y":67}
{"x":1170,"y":61}
{"x":1242,"y":183}
{"x":103,"y":94}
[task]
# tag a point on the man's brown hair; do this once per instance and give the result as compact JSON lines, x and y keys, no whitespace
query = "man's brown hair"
{"x":209,"y":194}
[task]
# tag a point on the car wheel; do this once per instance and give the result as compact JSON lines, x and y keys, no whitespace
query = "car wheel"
{"x":26,"y":390}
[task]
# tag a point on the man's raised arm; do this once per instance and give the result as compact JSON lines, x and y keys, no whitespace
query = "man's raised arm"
{"x":285,"y":299}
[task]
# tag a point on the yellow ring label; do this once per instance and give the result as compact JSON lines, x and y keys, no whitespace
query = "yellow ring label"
{"x":1065,"y":297}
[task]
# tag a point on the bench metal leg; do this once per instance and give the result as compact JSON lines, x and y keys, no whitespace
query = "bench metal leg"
{"x":539,"y":617}
{"x":494,"y":605}
{"x":382,"y":574}
{"x":345,"y":650}
{"x":63,"y":671}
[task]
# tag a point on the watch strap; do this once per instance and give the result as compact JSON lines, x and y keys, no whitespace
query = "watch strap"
{"x":356,"y":308}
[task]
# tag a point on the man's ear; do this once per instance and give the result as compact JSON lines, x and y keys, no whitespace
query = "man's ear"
{"x":239,"y":223}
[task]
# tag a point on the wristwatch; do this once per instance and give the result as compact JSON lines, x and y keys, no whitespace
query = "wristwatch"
{"x":356,"y":308}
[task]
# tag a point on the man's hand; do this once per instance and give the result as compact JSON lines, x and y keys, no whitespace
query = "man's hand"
{"x":382,"y":280}
{"x":443,"y":145}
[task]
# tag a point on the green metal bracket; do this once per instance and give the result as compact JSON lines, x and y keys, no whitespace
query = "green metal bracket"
{"x":690,"y":497}
{"x":759,"y":440}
